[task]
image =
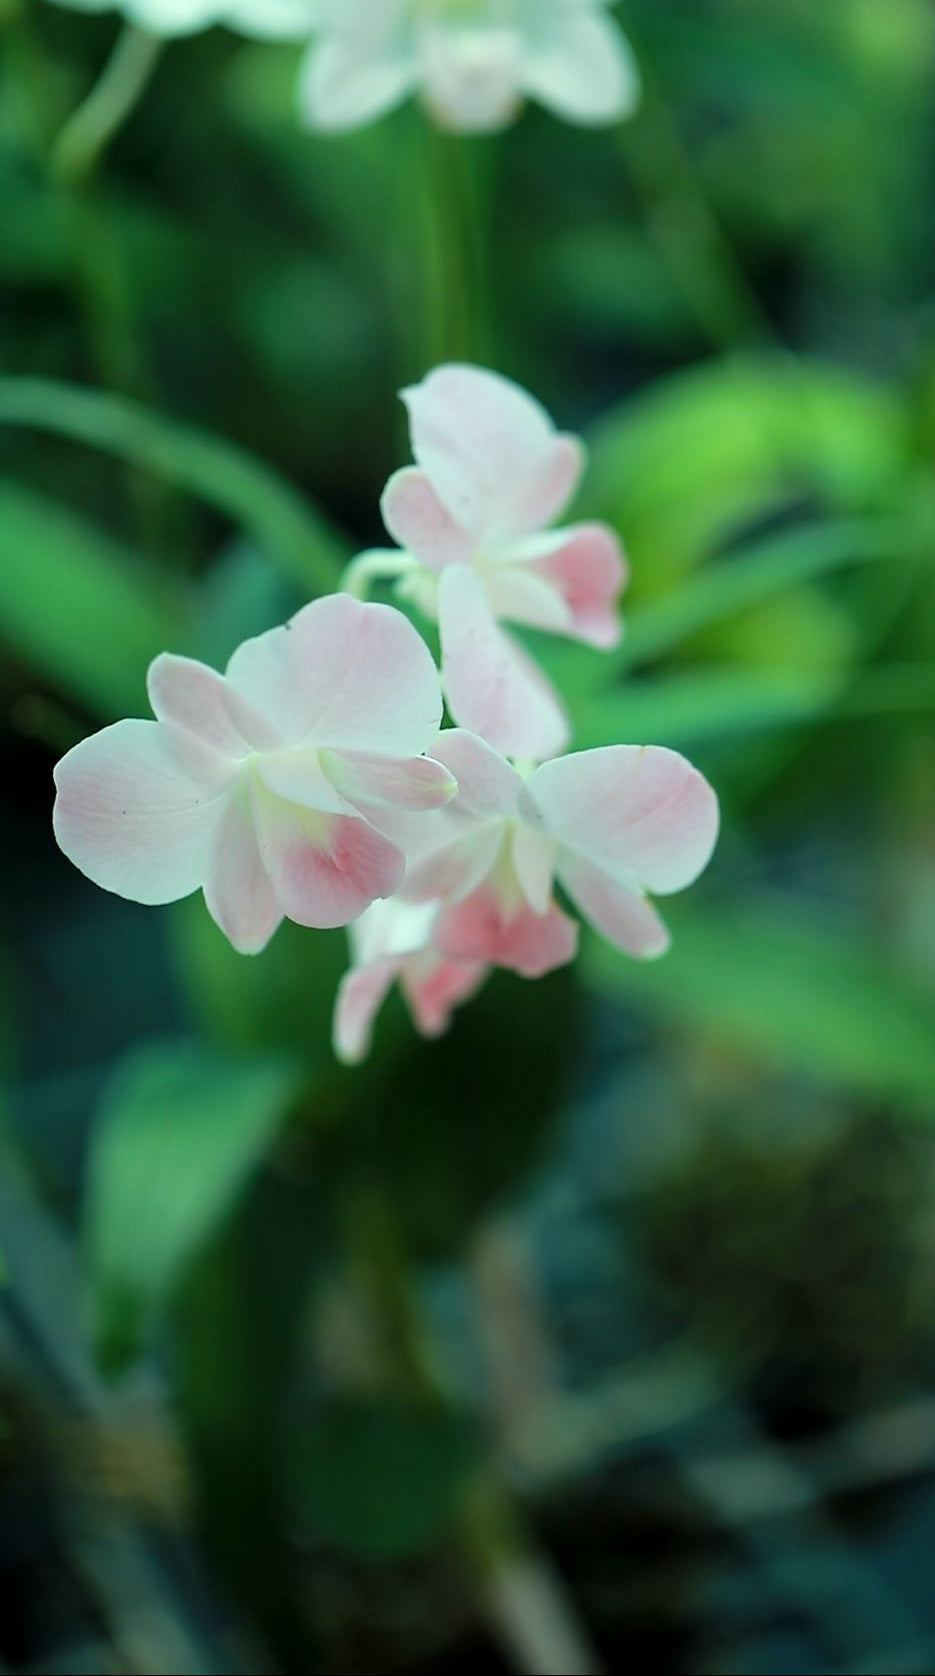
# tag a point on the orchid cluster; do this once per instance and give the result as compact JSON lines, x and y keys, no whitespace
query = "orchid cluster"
{"x":473,"y":61}
{"x":314,"y":780}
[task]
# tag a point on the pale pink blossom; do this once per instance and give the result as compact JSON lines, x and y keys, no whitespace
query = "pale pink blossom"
{"x":612,"y":826}
{"x":473,"y":517}
{"x":392,"y":942}
{"x":473,"y":61}
{"x":260,"y":787}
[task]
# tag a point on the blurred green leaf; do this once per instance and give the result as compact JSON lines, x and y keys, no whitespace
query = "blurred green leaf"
{"x":703,"y":705}
{"x":176,"y":1139}
{"x":684,"y":466}
{"x":76,"y":607}
{"x":381,"y":1481}
{"x":756,"y":574}
{"x":226,"y":477}
{"x":777,"y":982}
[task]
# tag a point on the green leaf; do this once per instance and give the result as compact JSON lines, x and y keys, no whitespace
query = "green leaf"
{"x":704,"y":705}
{"x":381,"y":1481}
{"x":759,"y":572}
{"x":778,"y":982}
{"x":178,"y":1134}
{"x":223,"y":475}
{"x":76,"y":607}
{"x":685,"y":466}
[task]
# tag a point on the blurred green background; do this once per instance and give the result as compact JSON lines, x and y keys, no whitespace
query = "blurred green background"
{"x":606,"y":1327}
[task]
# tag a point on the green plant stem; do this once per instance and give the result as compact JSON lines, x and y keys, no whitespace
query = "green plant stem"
{"x":519,"y":1596}
{"x":90,"y":129}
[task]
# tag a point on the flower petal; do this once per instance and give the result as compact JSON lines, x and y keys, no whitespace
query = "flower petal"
{"x":533,"y":858}
{"x":492,"y":687}
{"x":237,"y":888}
{"x":487,"y":785}
{"x":582,"y":67}
{"x":479,"y":929}
{"x":137,"y":808}
{"x":587,"y":571}
{"x":471,"y":76}
{"x":389,"y":782}
{"x":361,"y":994}
{"x":325,"y":869}
{"x":190,"y":695}
{"x":624,"y":918}
{"x":417,"y":520}
{"x":433,"y":987}
{"x":490,"y":451}
{"x":641,"y":813}
{"x":345,"y":675}
{"x":347,"y":81}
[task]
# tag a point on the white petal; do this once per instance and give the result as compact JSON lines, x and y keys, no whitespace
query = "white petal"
{"x":493,"y":688}
{"x":346,"y":82}
{"x":237,"y":888}
{"x":626,"y":919}
{"x":343,"y":675}
{"x":583,"y":68}
{"x":137,"y":808}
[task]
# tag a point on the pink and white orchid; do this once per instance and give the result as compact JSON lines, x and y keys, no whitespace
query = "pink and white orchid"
{"x":260,"y":787}
{"x":472,"y":517}
{"x":610,"y":825}
{"x":474,"y":61}
{"x":392,"y":942}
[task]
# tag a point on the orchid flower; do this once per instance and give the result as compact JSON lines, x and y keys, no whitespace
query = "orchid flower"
{"x":474,"y":61}
{"x":269,"y":19}
{"x":609,"y":825}
{"x":261,"y":786}
{"x":392,"y":942}
{"x":472,"y":517}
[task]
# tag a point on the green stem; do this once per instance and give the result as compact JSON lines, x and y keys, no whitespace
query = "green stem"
{"x":93,"y":125}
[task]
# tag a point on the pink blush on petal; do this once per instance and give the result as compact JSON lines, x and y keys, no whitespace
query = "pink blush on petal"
{"x":481,"y":929}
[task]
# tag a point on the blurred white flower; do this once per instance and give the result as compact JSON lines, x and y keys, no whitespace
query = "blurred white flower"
{"x":283,"y":19}
{"x":474,"y":61}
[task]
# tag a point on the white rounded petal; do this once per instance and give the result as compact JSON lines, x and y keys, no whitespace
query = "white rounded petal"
{"x":286,"y":20}
{"x":237,"y":888}
{"x":391,"y":927}
{"x":136,"y":810}
{"x":518,"y":594}
{"x":582,"y":66}
{"x":347,"y":81}
{"x":490,"y":451}
{"x":640,"y":813}
{"x":192,"y":696}
{"x":416,"y":518}
{"x":343,"y":675}
{"x":492,"y":687}
{"x":533,"y":857}
{"x":299,"y":776}
{"x":622,"y":916}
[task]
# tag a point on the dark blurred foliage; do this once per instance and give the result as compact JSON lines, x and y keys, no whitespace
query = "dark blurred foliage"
{"x":604,"y":1328}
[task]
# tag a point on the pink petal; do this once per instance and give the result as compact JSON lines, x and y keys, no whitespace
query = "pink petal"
{"x":487,"y":785}
{"x":433,"y":987}
{"x":588,"y":572}
{"x":389,"y":782}
{"x":490,"y":451}
{"x":345,"y":675}
{"x":492,"y":687}
{"x":189,"y":695}
{"x":237,"y":888}
{"x":417,"y":520}
{"x":325,"y":869}
{"x":641,"y":813}
{"x":137,"y":809}
{"x":361,"y":994}
{"x":624,"y":918}
{"x":479,"y":928}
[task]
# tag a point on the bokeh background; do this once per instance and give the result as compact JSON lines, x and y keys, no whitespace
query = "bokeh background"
{"x":606,"y":1327}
